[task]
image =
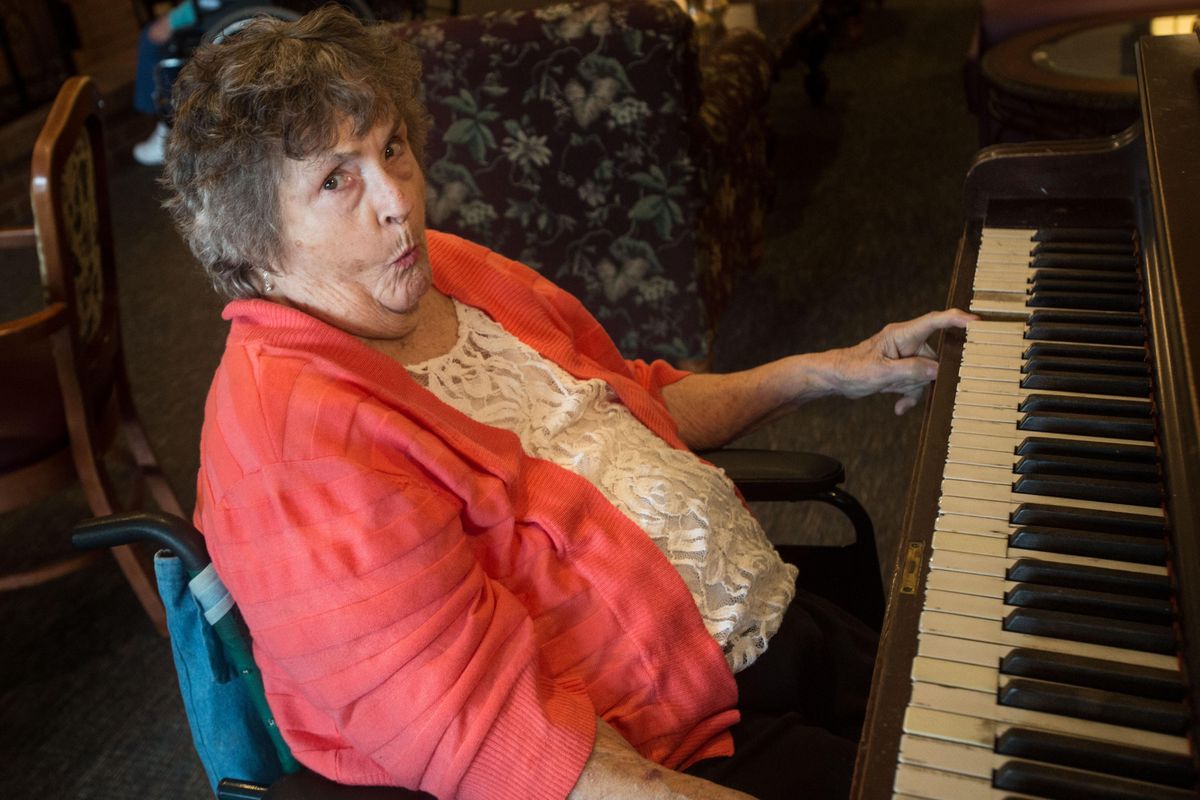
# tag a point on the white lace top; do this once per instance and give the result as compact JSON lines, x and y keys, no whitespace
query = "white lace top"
{"x":688,"y":508}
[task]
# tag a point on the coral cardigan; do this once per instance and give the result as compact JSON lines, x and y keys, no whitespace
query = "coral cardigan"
{"x":430,"y":606}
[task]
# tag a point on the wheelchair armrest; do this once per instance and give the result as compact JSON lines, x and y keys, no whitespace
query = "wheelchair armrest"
{"x":163,"y":530}
{"x":778,"y":474}
{"x":307,"y":785}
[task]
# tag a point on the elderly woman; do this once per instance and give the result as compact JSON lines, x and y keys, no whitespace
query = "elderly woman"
{"x":471,"y":541}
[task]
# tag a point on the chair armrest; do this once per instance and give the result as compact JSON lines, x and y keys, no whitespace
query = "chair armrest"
{"x":306,"y":785}
{"x":778,"y":474}
{"x":12,"y":238}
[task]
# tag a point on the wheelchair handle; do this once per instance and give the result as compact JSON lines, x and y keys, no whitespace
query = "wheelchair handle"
{"x":164,"y":530}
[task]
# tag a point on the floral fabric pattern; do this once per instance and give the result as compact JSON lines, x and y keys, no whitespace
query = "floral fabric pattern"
{"x":567,"y":138}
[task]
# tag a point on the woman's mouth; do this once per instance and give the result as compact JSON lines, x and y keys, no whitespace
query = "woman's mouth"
{"x":405,"y":260}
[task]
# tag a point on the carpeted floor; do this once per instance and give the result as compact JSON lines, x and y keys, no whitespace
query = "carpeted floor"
{"x":863,"y":232}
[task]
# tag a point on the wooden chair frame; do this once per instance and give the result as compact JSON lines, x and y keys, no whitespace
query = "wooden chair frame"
{"x":88,"y":355}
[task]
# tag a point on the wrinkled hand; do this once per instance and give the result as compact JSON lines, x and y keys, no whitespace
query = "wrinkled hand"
{"x":897,"y":360}
{"x":159,"y":31}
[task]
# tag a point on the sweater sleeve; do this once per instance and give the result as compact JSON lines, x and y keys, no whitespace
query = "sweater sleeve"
{"x":376,"y":627}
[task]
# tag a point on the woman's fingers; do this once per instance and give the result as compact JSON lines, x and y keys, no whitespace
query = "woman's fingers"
{"x":911,"y":336}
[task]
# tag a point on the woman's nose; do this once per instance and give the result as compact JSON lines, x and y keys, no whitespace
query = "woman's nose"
{"x":393,"y":200}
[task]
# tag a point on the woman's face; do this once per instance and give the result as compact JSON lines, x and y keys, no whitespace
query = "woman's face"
{"x":354,"y":252}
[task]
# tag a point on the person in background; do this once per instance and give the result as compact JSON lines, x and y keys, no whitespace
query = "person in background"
{"x":152,"y":48}
{"x":472,"y":542}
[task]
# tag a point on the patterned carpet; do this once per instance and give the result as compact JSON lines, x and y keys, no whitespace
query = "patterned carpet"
{"x":863,"y":232}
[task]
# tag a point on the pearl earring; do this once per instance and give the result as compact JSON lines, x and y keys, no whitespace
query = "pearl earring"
{"x":268,"y":287}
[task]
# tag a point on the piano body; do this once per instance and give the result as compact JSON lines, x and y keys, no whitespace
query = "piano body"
{"x":1043,"y":629}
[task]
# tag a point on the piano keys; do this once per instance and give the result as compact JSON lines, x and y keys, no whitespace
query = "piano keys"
{"x":1043,"y":631}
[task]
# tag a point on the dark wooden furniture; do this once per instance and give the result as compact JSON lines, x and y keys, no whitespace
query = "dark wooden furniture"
{"x":66,"y":395}
{"x":1145,"y":177}
{"x":1070,"y":80}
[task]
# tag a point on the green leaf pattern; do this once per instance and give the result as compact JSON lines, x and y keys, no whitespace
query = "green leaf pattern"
{"x":550,"y":144}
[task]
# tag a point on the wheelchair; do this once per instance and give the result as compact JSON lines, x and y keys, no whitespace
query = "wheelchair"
{"x":217,"y":19}
{"x":234,"y":730}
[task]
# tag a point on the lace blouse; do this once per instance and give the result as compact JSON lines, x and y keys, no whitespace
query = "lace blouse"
{"x":688,"y":508}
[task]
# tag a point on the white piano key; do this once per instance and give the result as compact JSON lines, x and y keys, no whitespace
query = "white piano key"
{"x":980,"y":526}
{"x":950,"y":727}
{"x":999,"y":501}
{"x":965,"y":583}
{"x":1013,"y":435}
{"x":964,"y":651}
{"x":929,"y":784}
{"x":992,"y":458}
{"x":996,"y":393}
{"x":966,"y":605}
{"x":956,"y":626}
{"x":981,"y":304}
{"x":995,"y":547}
{"x":983,"y":473}
{"x":1008,"y":416}
{"x":989,"y":654}
{"x":984,"y":706}
{"x":998,"y":232}
{"x":959,"y":561}
{"x":954,"y":757}
{"x":956,"y":674}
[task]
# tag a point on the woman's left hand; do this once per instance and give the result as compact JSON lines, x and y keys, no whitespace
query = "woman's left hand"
{"x":897,"y":360}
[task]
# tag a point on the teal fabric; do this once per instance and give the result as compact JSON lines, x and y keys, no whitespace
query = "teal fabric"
{"x":226,"y":730}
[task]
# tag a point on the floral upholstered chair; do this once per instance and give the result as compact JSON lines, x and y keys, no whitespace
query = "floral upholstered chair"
{"x":586,"y":141}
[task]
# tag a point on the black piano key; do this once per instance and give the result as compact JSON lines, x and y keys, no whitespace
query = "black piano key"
{"x":1118,"y":262}
{"x":1107,"y":328}
{"x":1141,"y":430}
{"x":1085,"y":405}
{"x":1120,"y":385}
{"x":1088,"y":519}
{"x":1151,"y":610}
{"x":1086,"y":468}
{"x":1089,"y":300}
{"x":1059,"y":783}
{"x":1095,"y":630}
{"x":1100,"y":579}
{"x":1115,"y":547}
{"x":1112,"y":451}
{"x":1113,"y":676}
{"x":1096,"y":334}
{"x":1125,"y":287}
{"x":1116,"y":248}
{"x":1059,"y":235}
{"x":1097,"y":365}
{"x":1057,"y":350}
{"x":1096,"y":705}
{"x":1128,"y":319}
{"x":1132,"y":493}
{"x":1153,"y":766}
{"x":1084,"y":276}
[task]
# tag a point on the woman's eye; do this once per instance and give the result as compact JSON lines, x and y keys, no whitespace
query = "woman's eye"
{"x":331,"y":183}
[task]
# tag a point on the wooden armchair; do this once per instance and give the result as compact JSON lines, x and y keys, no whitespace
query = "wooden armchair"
{"x":66,"y":391}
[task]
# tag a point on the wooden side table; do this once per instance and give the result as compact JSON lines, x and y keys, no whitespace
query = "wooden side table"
{"x":1068,"y":81}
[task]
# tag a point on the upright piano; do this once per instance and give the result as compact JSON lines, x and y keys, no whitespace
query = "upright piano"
{"x":1043,"y":631}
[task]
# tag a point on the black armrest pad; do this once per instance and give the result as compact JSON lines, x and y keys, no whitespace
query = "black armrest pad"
{"x":306,"y":785}
{"x":777,"y":474}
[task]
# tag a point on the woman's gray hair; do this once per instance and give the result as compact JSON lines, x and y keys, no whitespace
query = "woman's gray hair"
{"x":275,"y":90}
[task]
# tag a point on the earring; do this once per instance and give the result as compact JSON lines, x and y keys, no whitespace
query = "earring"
{"x":268,"y":287}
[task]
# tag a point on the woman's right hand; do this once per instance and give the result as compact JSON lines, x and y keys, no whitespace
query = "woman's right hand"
{"x":615,"y":771}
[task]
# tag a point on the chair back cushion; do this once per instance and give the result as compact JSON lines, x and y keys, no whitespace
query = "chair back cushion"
{"x":228,"y":734}
{"x":561,"y":139}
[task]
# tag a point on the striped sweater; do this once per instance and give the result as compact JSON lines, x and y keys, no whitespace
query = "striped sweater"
{"x":431,"y":607}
